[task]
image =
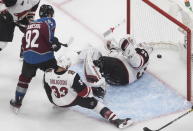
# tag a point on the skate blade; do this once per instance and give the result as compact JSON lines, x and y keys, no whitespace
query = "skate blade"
{"x":15,"y":110}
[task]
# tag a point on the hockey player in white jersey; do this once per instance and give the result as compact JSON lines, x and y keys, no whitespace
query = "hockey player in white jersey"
{"x":64,"y":88}
{"x":125,"y":63}
{"x":15,"y":13}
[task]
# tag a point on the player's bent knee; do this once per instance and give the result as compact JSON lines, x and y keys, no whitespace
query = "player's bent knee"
{"x":88,"y":102}
{"x":92,"y":103}
{"x":3,"y":45}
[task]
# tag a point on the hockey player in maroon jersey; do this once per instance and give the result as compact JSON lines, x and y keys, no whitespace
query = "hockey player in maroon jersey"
{"x":125,"y":63}
{"x":38,"y":46}
{"x":65,"y":88}
{"x":15,"y":13}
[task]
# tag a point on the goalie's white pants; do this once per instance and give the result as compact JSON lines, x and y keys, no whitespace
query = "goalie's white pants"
{"x":92,"y":73}
{"x":3,"y":45}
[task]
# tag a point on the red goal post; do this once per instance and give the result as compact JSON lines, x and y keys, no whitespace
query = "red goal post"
{"x":174,"y":21}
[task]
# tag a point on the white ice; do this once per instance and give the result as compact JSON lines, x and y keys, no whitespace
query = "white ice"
{"x":85,"y":20}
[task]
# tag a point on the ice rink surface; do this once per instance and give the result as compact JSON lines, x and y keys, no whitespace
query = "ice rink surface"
{"x":153,"y":101}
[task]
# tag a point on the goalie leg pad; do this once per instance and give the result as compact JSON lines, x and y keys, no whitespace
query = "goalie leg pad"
{"x":91,"y":71}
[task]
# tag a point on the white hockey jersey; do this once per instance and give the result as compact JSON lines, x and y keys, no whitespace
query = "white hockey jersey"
{"x":21,"y":8}
{"x":64,"y":87}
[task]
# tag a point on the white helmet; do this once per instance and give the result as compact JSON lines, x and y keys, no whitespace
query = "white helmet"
{"x":125,"y":42}
{"x":64,"y":62}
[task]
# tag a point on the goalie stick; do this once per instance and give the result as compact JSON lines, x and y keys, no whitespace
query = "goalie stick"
{"x":110,"y":30}
{"x":166,"y":45}
{"x":147,"y":129}
{"x":162,"y":45}
{"x":68,"y":43}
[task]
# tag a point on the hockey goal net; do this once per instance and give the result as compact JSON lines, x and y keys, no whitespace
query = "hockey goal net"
{"x":168,"y":25}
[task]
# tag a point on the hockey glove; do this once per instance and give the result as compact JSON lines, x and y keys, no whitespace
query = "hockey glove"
{"x":22,"y":24}
{"x":21,"y":27}
{"x":6,"y":17}
{"x":98,"y":92}
{"x":56,"y":44}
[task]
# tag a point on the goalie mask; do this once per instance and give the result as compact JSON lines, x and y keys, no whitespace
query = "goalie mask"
{"x":46,"y":11}
{"x":64,"y":62}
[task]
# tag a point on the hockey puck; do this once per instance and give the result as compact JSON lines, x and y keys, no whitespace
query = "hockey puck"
{"x":159,"y":56}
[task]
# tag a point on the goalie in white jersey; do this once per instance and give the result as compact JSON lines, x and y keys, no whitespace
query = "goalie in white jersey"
{"x":64,"y":88}
{"x":125,"y":63}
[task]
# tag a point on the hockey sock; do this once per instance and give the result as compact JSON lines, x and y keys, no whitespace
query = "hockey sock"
{"x":108,"y":114}
{"x":22,"y":87}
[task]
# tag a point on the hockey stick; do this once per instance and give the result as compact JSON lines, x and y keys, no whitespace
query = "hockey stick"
{"x":147,"y":129}
{"x":110,"y":30}
{"x":68,"y":43}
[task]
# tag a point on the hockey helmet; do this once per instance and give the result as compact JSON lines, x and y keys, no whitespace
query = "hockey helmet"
{"x":9,"y":3}
{"x":64,"y":62}
{"x":46,"y":11}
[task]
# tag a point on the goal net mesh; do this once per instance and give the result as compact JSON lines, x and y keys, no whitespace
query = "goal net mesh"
{"x":167,"y":31}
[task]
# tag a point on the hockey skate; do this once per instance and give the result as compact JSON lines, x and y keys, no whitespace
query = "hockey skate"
{"x":15,"y":106}
{"x":122,"y":123}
